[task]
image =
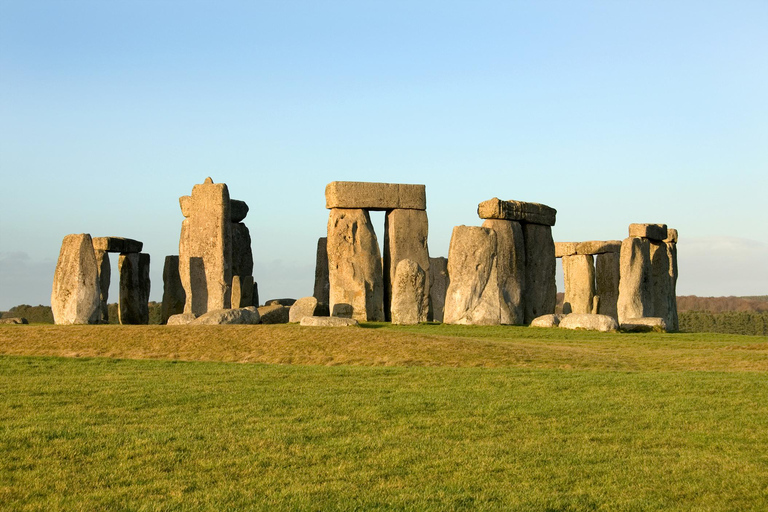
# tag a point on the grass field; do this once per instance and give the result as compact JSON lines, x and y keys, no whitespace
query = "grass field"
{"x":427,"y":417}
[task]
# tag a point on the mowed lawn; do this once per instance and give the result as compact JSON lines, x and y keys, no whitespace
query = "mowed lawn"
{"x":426,"y":417}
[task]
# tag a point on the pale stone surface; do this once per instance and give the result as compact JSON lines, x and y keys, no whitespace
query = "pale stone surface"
{"x":656,"y":232}
{"x":354,"y":264}
{"x":510,"y":268}
{"x":646,"y":324}
{"x":579,"y":279}
{"x":598,"y":247}
{"x":674,"y":324}
{"x":671,"y":236}
{"x":173,"y":292}
{"x":274,"y":314}
{"x":405,"y":237}
{"x":540,"y":292}
{"x":517,"y":210}
{"x":75,"y":296}
{"x":228,"y":316}
{"x":306,"y":306}
{"x":280,"y":302}
{"x":552,"y":320}
{"x":375,"y":196}
{"x":328,"y":321}
{"x":565,"y":249}
{"x":408,"y":293}
{"x":438,"y":286}
{"x":607,"y":283}
{"x":322,"y":286}
{"x":238,"y":210}
{"x":242,"y":255}
{"x":105,"y":271}
{"x":635,"y":299}
{"x":589,"y":322}
{"x":14,"y":320}
{"x":185,"y":203}
{"x":133,"y":306}
{"x":242,"y":291}
{"x":205,"y":248}
{"x":116,"y":244}
{"x":181,"y":319}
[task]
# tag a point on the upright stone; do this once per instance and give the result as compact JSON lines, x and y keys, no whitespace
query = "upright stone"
{"x":242,"y":291}
{"x":408,"y":292}
{"x":671,"y":243}
{"x":102,"y":263}
{"x":438,"y":285}
{"x":354,"y":264}
{"x":242,"y":254}
{"x":321,"y":271}
{"x":205,"y":248}
{"x":510,"y":268}
{"x":607,"y":283}
{"x":405,"y":237}
{"x":540,"y":266}
{"x":579,"y":274}
{"x":75,"y":295}
{"x":635,"y":292}
{"x":134,"y":288}
{"x":173,"y":292}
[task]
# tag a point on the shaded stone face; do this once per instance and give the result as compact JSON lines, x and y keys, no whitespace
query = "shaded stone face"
{"x":375,"y":196}
{"x":173,"y":292}
{"x":75,"y":297}
{"x":657,"y":232}
{"x":607,"y":283}
{"x":510,"y":269}
{"x":635,"y":291}
{"x":579,"y":274}
{"x":438,"y":286}
{"x":408,"y":293}
{"x":242,"y":254}
{"x":354,"y":264}
{"x":405,"y":237}
{"x":242,"y":291}
{"x":105,"y":269}
{"x":116,"y":244}
{"x":133,"y":307}
{"x":517,"y":210}
{"x":322,"y":286}
{"x":673,"y":323}
{"x":540,"y":296}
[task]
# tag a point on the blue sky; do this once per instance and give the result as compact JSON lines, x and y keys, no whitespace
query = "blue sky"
{"x":610,"y":112}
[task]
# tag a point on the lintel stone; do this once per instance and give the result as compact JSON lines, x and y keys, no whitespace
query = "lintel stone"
{"x":671,"y":236}
{"x":598,"y":247}
{"x":117,"y":244}
{"x":375,"y":196}
{"x":565,"y":249}
{"x":533,"y":213}
{"x":656,"y":232}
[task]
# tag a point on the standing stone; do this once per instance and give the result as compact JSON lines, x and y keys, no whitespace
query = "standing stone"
{"x":510,"y":267}
{"x":438,"y":285}
{"x":173,"y":292}
{"x":242,"y":291}
{"x":540,"y":267}
{"x":134,"y":288}
{"x":661,"y":283}
{"x":75,"y":296}
{"x":354,"y":264}
{"x":102,"y":263}
{"x":408,"y":292}
{"x":321,"y":271}
{"x":242,"y":255}
{"x":674,"y":323}
{"x":405,"y":237}
{"x":635,"y":293}
{"x":579,"y":274}
{"x":607,"y":283}
{"x":205,"y":248}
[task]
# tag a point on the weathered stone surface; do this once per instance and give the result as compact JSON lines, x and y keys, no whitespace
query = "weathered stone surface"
{"x":635,"y":292}
{"x":105,"y":271}
{"x":242,"y":255}
{"x":280,"y":302}
{"x":646,"y":324}
{"x":117,"y":244}
{"x":510,"y":268}
{"x":408,"y":293}
{"x":328,"y":321}
{"x":75,"y":297}
{"x":228,"y":316}
{"x":306,"y":306}
{"x":242,"y":291}
{"x":598,"y":247}
{"x":274,"y":314}
{"x":134,"y":289}
{"x":14,"y":320}
{"x":181,"y":319}
{"x":552,"y":320}
{"x":438,"y":286}
{"x":579,"y":274}
{"x":565,"y":249}
{"x":405,"y":237}
{"x":322,"y":286}
{"x":671,"y":236}
{"x":354,"y":264}
{"x":238,"y":210}
{"x":674,"y":324}
{"x":603,"y":323}
{"x":185,"y":203}
{"x":173,"y":292}
{"x":656,"y":232}
{"x":540,"y":293}
{"x":375,"y":196}
{"x":607,"y":283}
{"x":342,"y":310}
{"x":517,"y":210}
{"x":661,"y":282}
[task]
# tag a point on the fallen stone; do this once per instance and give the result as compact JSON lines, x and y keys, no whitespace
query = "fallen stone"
{"x":517,"y":210}
{"x":238,"y":210}
{"x":181,"y":319}
{"x":438,"y":286}
{"x":635,"y":292}
{"x":322,"y":286}
{"x":274,"y":314}
{"x":405,"y":237}
{"x":656,"y":232}
{"x":408,"y":294}
{"x":552,"y":320}
{"x":510,"y":269}
{"x":14,"y":320}
{"x":75,"y":295}
{"x":327,"y":321}
{"x":375,"y":196}
{"x":173,"y":292}
{"x":540,"y":292}
{"x":589,"y":322}
{"x":242,"y":291}
{"x":306,"y":306}
{"x":607,"y":283}
{"x":105,"y":271}
{"x":598,"y":247}
{"x":646,"y":324}
{"x":280,"y":302}
{"x":565,"y":249}
{"x":228,"y":317}
{"x":579,"y":280}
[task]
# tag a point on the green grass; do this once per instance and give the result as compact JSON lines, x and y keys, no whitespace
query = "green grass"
{"x":617,"y":428}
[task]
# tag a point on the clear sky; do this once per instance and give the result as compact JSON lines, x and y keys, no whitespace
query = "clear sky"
{"x":612,"y":112}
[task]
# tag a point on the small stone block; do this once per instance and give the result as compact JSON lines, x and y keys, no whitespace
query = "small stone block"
{"x":650,"y":231}
{"x":117,"y":244}
{"x":565,"y":249}
{"x":533,"y":213}
{"x":671,"y":236}
{"x":375,"y":196}
{"x":327,"y":321}
{"x":598,"y":247}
